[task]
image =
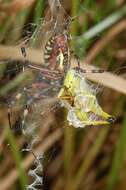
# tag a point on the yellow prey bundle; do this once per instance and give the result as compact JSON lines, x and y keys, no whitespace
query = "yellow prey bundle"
{"x":79,"y":98}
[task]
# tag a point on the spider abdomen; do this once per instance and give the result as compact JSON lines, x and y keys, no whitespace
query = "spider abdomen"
{"x":56,"y":54}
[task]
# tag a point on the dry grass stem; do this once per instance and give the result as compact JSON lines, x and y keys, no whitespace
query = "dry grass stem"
{"x":105,"y":40}
{"x":106,"y":79}
{"x":9,"y":180}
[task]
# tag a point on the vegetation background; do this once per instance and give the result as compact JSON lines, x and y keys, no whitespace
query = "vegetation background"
{"x":92,"y":158}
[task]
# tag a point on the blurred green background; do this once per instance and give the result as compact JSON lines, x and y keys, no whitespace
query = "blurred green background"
{"x":92,"y":158}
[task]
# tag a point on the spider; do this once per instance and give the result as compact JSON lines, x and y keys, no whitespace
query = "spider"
{"x":67,"y":82}
{"x":50,"y":77}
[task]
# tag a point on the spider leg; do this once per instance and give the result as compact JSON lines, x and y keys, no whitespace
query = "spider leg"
{"x":76,"y":57}
{"x":46,"y":72}
{"x":9,"y":118}
{"x":34,"y":155}
{"x":25,"y":113}
{"x":23,"y":51}
{"x":23,"y":47}
{"x":84,"y":70}
{"x":97,"y":71}
{"x":13,"y":103}
{"x":87,"y":71}
{"x":78,"y":61}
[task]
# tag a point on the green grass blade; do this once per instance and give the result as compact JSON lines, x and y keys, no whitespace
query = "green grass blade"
{"x":39,"y":10}
{"x":103,"y":25}
{"x":18,"y":159}
{"x":118,"y":159}
{"x":91,"y":154}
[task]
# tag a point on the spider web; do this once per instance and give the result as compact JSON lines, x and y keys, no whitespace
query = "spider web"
{"x":39,"y":100}
{"x":22,"y":95}
{"x":53,"y":23}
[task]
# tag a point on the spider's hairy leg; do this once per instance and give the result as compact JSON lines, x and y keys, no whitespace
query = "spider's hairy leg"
{"x":23,"y":47}
{"x":15,"y":107}
{"x":76,"y":57}
{"x":25,"y":113}
{"x":9,"y":110}
{"x":9,"y":118}
{"x":24,"y":54}
{"x":78,"y":61}
{"x":78,"y":68}
{"x":23,"y":51}
{"x":23,"y":123}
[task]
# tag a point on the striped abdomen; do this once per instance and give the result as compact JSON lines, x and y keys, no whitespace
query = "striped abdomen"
{"x":56,"y":54}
